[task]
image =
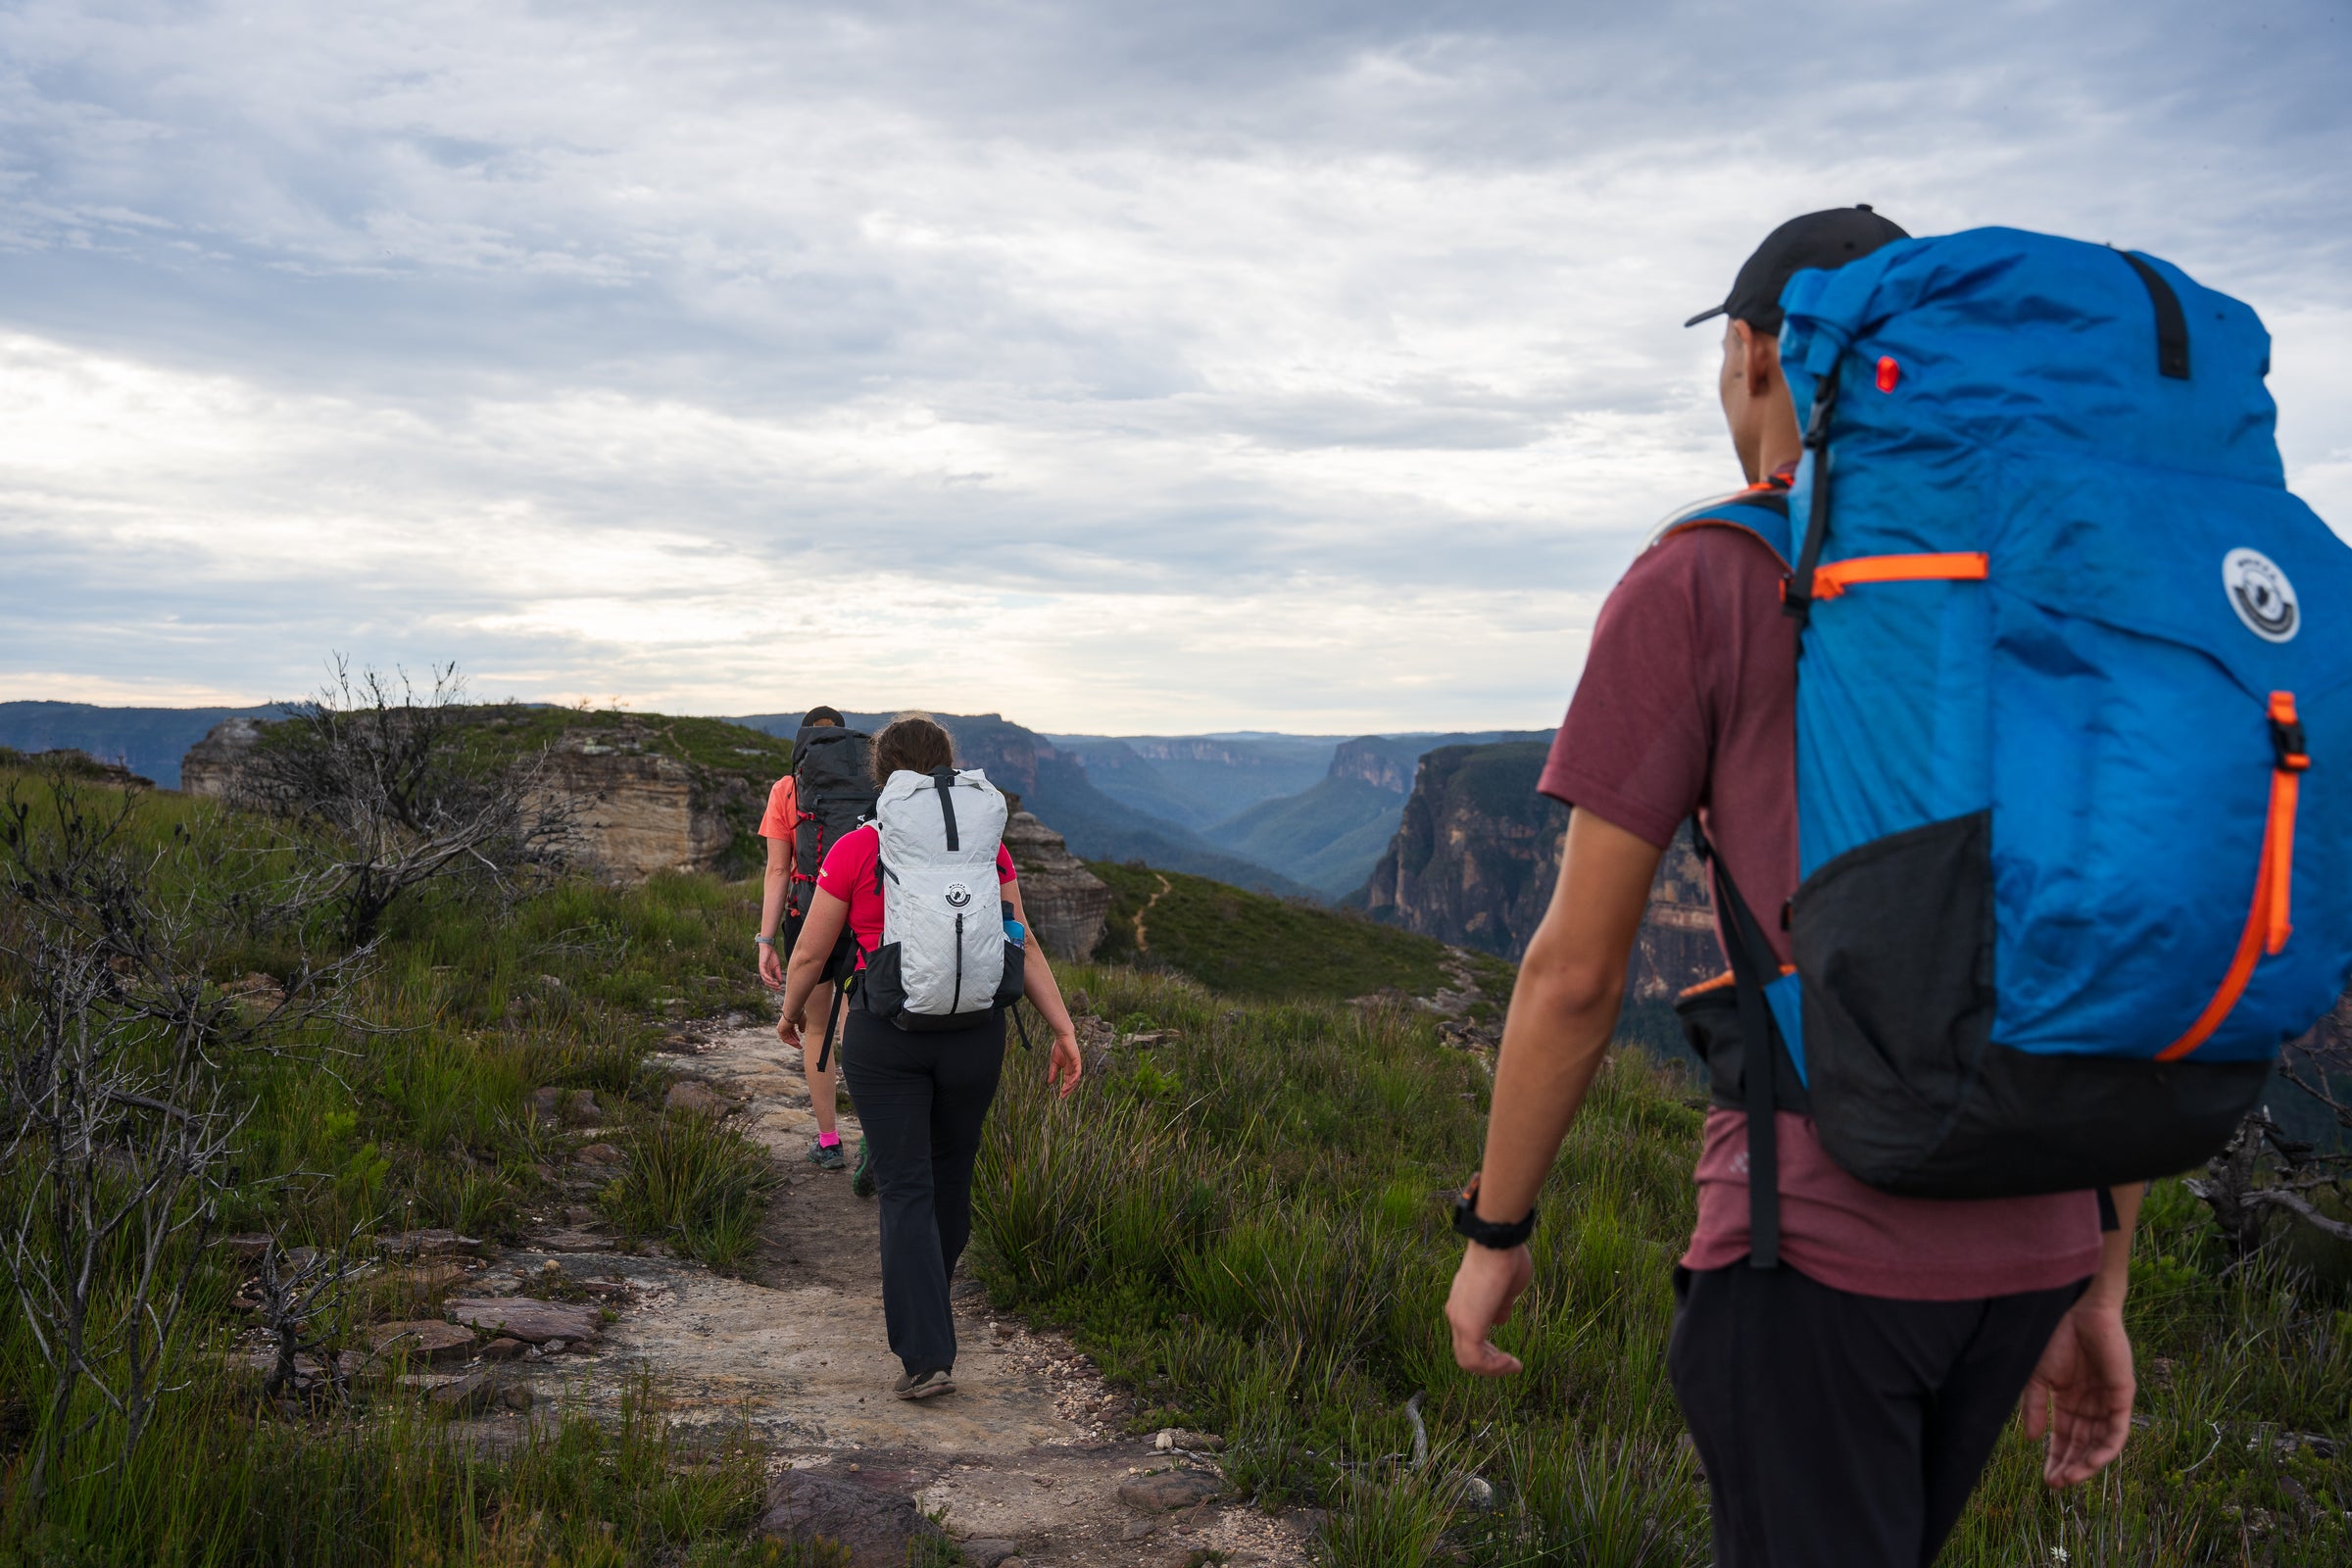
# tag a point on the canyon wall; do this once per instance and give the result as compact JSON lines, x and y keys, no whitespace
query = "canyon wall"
{"x":1477,"y":853}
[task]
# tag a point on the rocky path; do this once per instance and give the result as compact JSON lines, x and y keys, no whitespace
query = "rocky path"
{"x":1027,"y":1460}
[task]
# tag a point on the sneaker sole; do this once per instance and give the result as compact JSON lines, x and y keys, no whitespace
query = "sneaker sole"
{"x":924,"y":1391}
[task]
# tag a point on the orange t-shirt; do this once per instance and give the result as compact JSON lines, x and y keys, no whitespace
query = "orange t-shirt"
{"x":783,"y":813}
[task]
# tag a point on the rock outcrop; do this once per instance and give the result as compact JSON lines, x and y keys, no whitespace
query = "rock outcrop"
{"x":1068,"y":907}
{"x":639,"y":810}
{"x":210,"y":765}
{"x":1477,"y":853}
{"x":642,"y":811}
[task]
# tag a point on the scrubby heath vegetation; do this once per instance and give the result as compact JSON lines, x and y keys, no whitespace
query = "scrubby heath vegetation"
{"x":1243,"y":1222}
{"x":1255,"y":945}
{"x":189,"y":1058}
{"x":1246,"y":1223}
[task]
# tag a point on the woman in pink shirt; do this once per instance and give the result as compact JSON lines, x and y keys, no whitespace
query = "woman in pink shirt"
{"x":922,"y":1098}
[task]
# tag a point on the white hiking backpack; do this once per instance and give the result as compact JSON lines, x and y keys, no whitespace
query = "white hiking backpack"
{"x":947,"y":957}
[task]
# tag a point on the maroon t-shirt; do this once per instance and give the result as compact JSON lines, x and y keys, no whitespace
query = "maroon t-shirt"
{"x":1689,"y":703}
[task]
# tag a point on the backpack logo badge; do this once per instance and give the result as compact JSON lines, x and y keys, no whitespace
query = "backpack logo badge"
{"x":958,"y":894}
{"x":2260,"y":594}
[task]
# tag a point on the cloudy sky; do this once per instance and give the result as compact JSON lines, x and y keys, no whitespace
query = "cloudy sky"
{"x":1125,"y":368}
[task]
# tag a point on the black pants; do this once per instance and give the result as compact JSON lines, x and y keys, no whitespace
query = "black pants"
{"x":1844,"y":1429}
{"x":922,"y":1099}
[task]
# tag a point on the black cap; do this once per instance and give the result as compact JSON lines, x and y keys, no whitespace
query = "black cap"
{"x":1825,"y":240}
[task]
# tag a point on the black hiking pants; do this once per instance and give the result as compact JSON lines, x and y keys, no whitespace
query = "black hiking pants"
{"x":923,"y":1100}
{"x":1839,"y":1430}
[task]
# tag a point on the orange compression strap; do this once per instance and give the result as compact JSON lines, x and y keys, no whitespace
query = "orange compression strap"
{"x":1834,"y":577}
{"x":2268,"y":925}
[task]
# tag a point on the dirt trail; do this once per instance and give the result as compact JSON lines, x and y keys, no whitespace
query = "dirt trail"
{"x":1026,"y":1451}
{"x":1143,"y":944}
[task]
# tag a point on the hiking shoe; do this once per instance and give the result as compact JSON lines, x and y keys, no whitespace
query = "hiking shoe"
{"x":826,"y":1156}
{"x":862,"y":1180}
{"x":921,"y":1386}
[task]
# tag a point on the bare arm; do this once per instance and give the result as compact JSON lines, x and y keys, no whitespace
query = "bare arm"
{"x":775,"y":885}
{"x":2081,"y":1392}
{"x":1563,"y":1011}
{"x":826,"y":916}
{"x":1064,"y":1063}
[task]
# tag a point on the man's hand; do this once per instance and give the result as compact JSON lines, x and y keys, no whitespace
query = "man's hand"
{"x":771,"y":967}
{"x":788,"y":1027}
{"x":2081,"y":1395}
{"x":1484,"y":1290}
{"x":1064,"y":1065}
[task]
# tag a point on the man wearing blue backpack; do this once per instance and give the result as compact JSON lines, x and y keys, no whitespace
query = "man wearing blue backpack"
{"x":1997,"y":758}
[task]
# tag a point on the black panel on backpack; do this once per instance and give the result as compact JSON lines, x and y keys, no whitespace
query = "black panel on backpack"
{"x":2171,"y":325}
{"x":1710,"y":1021}
{"x":1894,"y":939}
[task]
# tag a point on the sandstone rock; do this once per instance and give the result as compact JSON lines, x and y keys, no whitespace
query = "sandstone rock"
{"x":874,"y":1527}
{"x":1169,"y":1490}
{"x":257,"y":992}
{"x":1170,"y":1437}
{"x":503,"y":1348}
{"x":423,"y":1340}
{"x":249,"y":1246}
{"x":988,"y":1552}
{"x":547,"y":1102}
{"x":1477,"y":855}
{"x":638,"y":811}
{"x":602,"y":1155}
{"x":522,"y":1317}
{"x":688,"y":1096}
{"x":580,"y":1106}
{"x":211,"y":765}
{"x":1068,"y":907}
{"x":478,"y":1392}
{"x":428,"y":1244}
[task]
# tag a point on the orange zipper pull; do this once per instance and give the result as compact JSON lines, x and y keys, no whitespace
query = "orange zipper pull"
{"x":2287,"y":742}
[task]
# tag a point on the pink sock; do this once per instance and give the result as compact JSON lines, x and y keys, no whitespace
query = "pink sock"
{"x":828,"y":1140}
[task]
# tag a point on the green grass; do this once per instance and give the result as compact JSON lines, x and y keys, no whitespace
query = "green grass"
{"x":1254,"y":944}
{"x":1246,"y":1227}
{"x":423,"y":1118}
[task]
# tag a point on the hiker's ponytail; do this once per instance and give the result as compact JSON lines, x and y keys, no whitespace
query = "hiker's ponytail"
{"x":911,"y":742}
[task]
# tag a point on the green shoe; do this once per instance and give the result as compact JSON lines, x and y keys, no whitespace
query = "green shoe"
{"x":861,"y":1182}
{"x":827,"y":1156}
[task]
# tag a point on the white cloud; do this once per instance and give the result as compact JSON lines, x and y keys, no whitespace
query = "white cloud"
{"x":1118,"y":370}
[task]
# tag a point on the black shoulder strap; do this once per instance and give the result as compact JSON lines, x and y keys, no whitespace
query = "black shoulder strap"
{"x":1759,"y":1056}
{"x":2171,"y":325}
{"x":1796,"y":595}
{"x":945,"y":778}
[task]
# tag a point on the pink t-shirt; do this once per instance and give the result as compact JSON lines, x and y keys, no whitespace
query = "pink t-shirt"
{"x":848,"y":875}
{"x":1689,"y":702}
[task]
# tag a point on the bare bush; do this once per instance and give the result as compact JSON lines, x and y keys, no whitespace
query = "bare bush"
{"x":119,"y":1122}
{"x":385,"y":773}
{"x":301,"y":1294}
{"x":2262,"y":1172}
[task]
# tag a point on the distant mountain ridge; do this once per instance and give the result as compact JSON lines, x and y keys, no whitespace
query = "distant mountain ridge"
{"x":1331,"y":835}
{"x":149,"y":741}
{"x":1055,"y":784}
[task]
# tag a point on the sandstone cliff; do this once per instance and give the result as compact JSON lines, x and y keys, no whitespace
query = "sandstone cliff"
{"x":646,"y":799}
{"x":210,"y":765}
{"x":1067,"y":905}
{"x":1478,"y":851}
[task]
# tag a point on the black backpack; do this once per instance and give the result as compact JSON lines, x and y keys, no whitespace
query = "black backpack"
{"x":833,"y":777}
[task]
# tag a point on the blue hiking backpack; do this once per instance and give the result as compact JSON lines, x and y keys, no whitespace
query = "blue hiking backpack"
{"x":2074,"y":727}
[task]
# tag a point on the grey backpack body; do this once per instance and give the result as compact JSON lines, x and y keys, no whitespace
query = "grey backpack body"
{"x":945,"y":961}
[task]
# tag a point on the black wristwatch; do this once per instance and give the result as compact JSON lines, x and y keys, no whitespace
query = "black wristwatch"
{"x":1485,"y":1232}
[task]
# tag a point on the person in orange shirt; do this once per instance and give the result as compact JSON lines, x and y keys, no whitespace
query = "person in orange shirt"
{"x":777,"y":827}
